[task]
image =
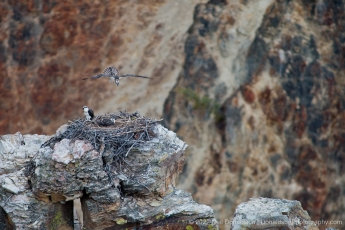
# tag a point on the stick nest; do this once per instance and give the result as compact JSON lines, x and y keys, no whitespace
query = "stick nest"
{"x":114,"y":135}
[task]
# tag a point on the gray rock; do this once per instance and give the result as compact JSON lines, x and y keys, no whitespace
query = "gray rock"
{"x":266,"y":213}
{"x":16,"y":150}
{"x":20,"y":204}
{"x":141,"y":193}
{"x":176,"y":210}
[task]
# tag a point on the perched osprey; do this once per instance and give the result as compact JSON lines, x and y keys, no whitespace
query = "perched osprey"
{"x":88,"y":113}
{"x":113,"y":74}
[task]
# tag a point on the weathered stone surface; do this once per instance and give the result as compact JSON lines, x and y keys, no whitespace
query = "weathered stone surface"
{"x":16,"y":150}
{"x":144,"y":195}
{"x":66,"y":180}
{"x":74,"y":166}
{"x":175,"y":210}
{"x":18,"y":204}
{"x":265,"y":213}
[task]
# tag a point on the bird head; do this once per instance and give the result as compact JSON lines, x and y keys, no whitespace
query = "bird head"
{"x":117,"y":81}
{"x":85,"y":107}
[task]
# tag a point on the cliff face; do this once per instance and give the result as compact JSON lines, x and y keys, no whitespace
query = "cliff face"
{"x":261,"y":102}
{"x":47,"y":47}
{"x":256,"y":88}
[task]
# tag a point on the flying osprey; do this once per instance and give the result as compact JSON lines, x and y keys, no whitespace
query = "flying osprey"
{"x":88,"y":113}
{"x":113,"y":74}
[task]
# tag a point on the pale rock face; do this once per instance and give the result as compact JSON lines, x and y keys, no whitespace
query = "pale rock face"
{"x":9,"y":185}
{"x":65,"y":151}
{"x":15,"y":150}
{"x":265,"y":213}
{"x":80,"y":148}
{"x":15,"y":196}
{"x":79,"y":155}
{"x":62,"y":152}
{"x":9,"y":143}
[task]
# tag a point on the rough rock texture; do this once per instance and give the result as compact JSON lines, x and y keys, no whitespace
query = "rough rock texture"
{"x":265,"y":213}
{"x":176,"y":210}
{"x":63,"y":172}
{"x":275,"y":68}
{"x":18,"y":205}
{"x":260,"y":100}
{"x":17,"y":150}
{"x":140,"y":193}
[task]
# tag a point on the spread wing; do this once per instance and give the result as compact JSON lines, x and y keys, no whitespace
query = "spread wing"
{"x":110,"y":70}
{"x":133,"y":75}
{"x":96,"y":76}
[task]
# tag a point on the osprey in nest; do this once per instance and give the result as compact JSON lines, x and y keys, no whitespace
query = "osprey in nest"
{"x":89,"y":115}
{"x":99,"y":120}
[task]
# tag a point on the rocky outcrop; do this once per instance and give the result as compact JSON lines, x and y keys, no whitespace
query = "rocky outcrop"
{"x":16,"y":151}
{"x":39,"y":195}
{"x":135,"y":189}
{"x":264,"y":213}
{"x":19,"y":207}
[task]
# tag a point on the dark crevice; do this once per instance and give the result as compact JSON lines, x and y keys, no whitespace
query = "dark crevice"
{"x":30,"y":184}
{"x":6,"y":222}
{"x":121,"y":188}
